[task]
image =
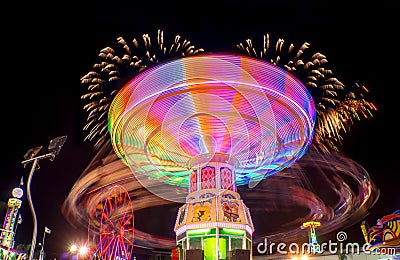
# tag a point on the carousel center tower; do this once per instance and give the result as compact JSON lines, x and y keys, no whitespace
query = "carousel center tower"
{"x":214,"y":219}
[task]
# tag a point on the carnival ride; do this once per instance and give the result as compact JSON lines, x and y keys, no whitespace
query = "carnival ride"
{"x":11,"y":221}
{"x":7,"y":232}
{"x":157,"y":113}
{"x":385,"y":233}
{"x":111,"y":225}
{"x":312,"y":236}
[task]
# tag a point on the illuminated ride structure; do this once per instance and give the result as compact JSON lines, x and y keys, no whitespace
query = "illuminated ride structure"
{"x":209,"y":123}
{"x":385,"y":233}
{"x":312,"y":236}
{"x":7,"y":233}
{"x":113,"y":223}
{"x":11,"y":221}
{"x":214,"y":216}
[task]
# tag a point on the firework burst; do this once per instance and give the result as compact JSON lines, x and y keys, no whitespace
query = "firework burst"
{"x":115,"y":67}
{"x":337,"y":105}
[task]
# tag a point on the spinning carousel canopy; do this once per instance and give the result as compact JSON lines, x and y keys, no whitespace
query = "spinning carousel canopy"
{"x":252,"y":112}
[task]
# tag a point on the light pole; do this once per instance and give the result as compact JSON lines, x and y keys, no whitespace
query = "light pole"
{"x":46,"y":231}
{"x":31,"y":157}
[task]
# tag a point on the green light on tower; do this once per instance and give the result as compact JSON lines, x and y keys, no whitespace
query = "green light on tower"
{"x":209,"y":248}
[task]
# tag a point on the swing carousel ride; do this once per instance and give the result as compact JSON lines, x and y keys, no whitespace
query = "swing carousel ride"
{"x":224,"y":141}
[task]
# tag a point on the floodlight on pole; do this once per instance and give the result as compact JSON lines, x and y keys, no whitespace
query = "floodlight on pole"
{"x":31,"y":156}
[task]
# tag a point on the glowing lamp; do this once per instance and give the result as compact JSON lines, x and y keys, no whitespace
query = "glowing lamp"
{"x":17,"y":193}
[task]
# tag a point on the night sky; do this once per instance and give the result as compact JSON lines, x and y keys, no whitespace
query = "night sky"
{"x":48,"y":48}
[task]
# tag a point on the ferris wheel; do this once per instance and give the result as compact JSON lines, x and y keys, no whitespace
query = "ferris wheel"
{"x":112,"y":226}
